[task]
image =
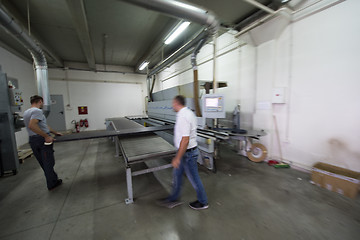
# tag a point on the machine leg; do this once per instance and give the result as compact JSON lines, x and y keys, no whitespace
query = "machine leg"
{"x":129,"y":186}
{"x":248,"y":144}
{"x":216,"y":156}
{"x":117,"y":150}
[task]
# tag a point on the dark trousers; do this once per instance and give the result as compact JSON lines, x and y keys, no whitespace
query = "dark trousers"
{"x":45,"y":156}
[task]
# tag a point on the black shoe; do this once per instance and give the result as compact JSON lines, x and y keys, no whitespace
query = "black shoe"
{"x":58,"y":183}
{"x":165,"y":202}
{"x":198,"y":205}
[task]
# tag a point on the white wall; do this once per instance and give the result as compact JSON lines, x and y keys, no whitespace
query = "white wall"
{"x":316,"y":59}
{"x":105,"y":94}
{"x":325,"y":88}
{"x":23,"y":71}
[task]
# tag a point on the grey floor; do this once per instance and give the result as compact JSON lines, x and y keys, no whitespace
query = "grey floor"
{"x":247,"y":201}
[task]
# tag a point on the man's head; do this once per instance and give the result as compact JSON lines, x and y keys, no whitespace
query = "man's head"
{"x":37,"y":101}
{"x":178,"y":103}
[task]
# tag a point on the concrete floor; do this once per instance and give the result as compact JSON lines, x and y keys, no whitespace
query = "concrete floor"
{"x":247,"y":201}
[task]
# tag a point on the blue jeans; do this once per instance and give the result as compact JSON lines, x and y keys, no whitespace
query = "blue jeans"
{"x":189,"y":165}
{"x":45,"y":156}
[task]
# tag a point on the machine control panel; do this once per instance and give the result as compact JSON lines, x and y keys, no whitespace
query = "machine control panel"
{"x":15,"y":97}
{"x":213,"y":106}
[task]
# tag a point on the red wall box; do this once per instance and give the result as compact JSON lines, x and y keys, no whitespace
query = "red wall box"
{"x":83,"y":110}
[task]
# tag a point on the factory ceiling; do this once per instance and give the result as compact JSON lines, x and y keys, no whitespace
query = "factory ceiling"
{"x":99,"y":33}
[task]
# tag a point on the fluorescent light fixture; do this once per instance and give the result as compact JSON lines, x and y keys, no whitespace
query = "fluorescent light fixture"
{"x":143,"y":65}
{"x":177,"y":32}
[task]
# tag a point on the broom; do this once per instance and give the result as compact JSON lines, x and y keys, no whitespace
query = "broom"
{"x":281,"y":164}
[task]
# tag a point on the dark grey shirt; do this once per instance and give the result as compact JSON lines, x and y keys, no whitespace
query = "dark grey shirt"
{"x":35,"y":113}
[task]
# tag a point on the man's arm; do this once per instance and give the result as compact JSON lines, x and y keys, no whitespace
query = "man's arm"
{"x":180,"y":153}
{"x":54,"y":132}
{"x":33,"y":125}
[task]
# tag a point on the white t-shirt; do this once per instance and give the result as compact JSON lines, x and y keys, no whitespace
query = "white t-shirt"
{"x":185,"y":126}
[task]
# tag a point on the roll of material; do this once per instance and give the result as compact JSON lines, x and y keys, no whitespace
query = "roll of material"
{"x":257,"y":153}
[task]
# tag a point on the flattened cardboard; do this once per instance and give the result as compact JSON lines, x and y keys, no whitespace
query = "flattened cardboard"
{"x":336,"y":179}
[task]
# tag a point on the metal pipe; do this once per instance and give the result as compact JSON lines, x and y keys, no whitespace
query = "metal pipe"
{"x":214,"y":64}
{"x":215,"y":121}
{"x":196,"y":81}
{"x":180,"y":10}
{"x":261,"y":6}
{"x":206,"y":61}
{"x":195,"y":53}
{"x":36,"y":52}
{"x":184,"y":11}
{"x":93,"y":81}
{"x":331,"y":4}
{"x":179,"y":52}
{"x":283,"y":11}
{"x":307,"y":6}
{"x":99,"y":70}
{"x":252,"y":18}
{"x":254,"y":25}
{"x":190,"y":13}
{"x":152,"y":89}
{"x":196,"y":93}
{"x":148,"y":86}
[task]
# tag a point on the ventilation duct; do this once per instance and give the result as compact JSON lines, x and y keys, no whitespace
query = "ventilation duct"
{"x":41,"y":69}
{"x":180,"y":10}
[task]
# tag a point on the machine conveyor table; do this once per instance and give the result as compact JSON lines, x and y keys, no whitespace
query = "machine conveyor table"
{"x":145,"y":147}
{"x":136,"y":142}
{"x":111,"y":133}
{"x":135,"y":149}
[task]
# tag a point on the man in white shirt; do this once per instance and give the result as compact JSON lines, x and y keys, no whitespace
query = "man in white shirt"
{"x":186,"y":157}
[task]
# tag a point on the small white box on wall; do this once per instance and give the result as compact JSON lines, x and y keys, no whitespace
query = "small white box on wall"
{"x":278,"y":95}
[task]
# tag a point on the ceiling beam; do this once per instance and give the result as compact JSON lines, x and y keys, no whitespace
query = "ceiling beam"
{"x":9,"y":8}
{"x":78,"y":15}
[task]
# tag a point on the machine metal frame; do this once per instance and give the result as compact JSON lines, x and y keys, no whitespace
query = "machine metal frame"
{"x":167,"y":150}
{"x":130,"y":130}
{"x":130,"y":173}
{"x":256,"y":152}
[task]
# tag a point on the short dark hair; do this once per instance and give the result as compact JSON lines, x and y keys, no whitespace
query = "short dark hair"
{"x":36,"y":99}
{"x":180,"y":99}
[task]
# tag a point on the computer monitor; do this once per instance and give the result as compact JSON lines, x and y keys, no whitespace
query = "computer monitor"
{"x":211,"y":103}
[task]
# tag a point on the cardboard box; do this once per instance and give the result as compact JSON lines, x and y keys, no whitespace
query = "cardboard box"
{"x":336,"y":179}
